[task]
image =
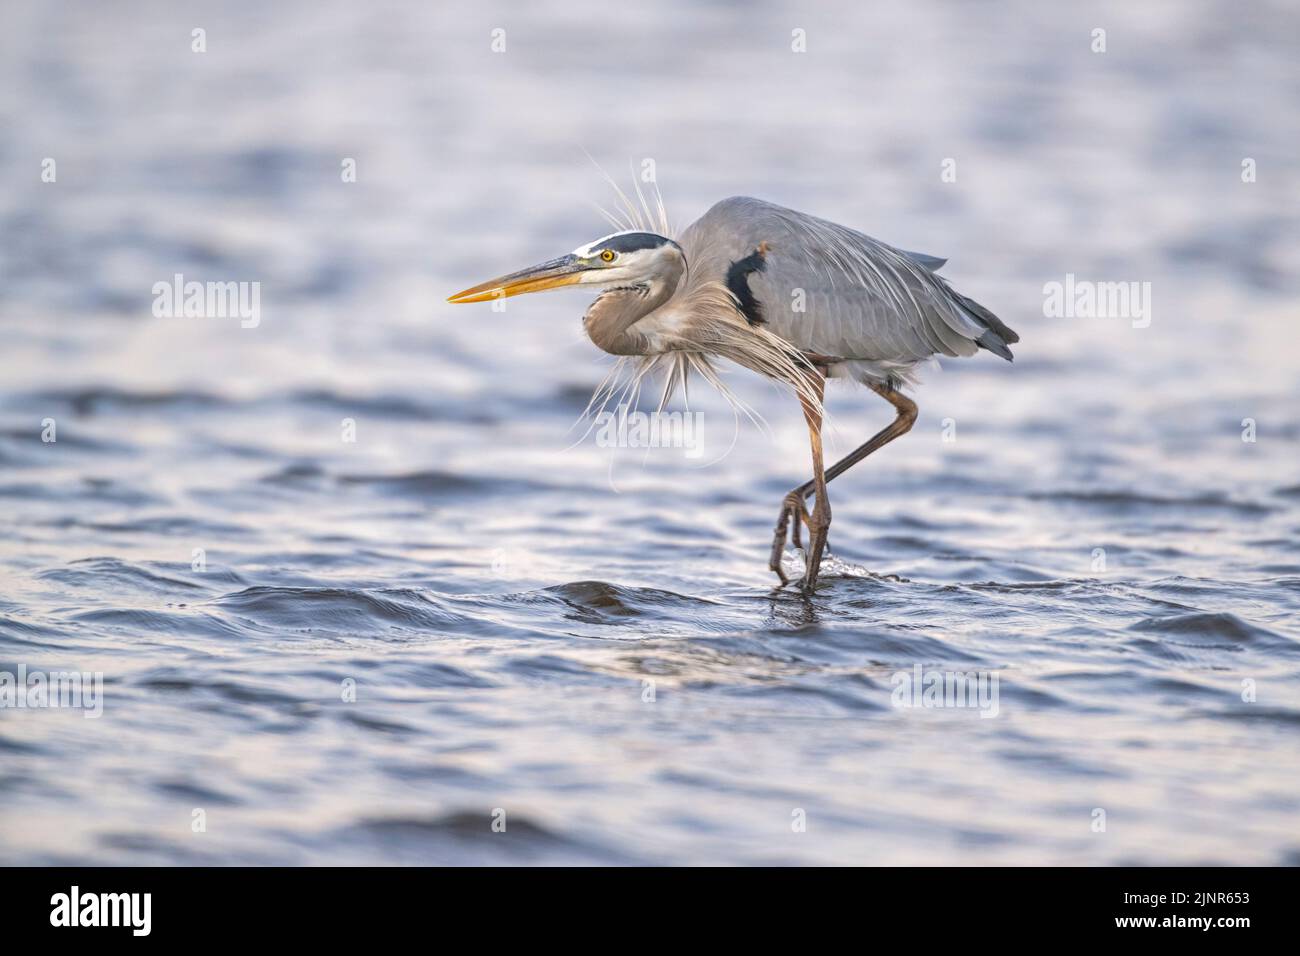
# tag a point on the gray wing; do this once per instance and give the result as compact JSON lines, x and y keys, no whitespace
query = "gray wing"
{"x":862,"y":299}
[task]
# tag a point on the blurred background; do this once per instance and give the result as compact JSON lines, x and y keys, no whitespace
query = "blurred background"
{"x":586,"y":638}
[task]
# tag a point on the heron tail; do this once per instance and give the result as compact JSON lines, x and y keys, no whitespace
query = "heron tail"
{"x":997,"y":336}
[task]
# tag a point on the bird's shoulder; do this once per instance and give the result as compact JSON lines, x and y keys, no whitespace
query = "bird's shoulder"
{"x":733,"y":228}
{"x":743,"y":209}
{"x":805,"y":249}
{"x":732,"y":224}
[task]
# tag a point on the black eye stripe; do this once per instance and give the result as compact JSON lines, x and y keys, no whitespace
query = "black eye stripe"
{"x":633,"y":241}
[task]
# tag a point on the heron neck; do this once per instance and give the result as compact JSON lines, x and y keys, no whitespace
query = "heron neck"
{"x":610,"y":320}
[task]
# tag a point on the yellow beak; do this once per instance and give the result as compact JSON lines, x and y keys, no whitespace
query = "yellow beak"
{"x":565,"y":270}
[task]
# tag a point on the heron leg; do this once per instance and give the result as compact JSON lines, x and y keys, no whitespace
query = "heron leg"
{"x":794,"y":514}
{"x":792,"y":506}
{"x":819,"y":522}
{"x":906,"y":409}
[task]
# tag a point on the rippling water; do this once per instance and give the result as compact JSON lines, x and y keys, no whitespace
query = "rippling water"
{"x":585,"y":638}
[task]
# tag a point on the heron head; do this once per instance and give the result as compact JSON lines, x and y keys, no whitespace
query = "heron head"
{"x":620,"y":259}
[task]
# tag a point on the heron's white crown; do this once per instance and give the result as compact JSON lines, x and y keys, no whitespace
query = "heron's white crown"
{"x":590,"y":248}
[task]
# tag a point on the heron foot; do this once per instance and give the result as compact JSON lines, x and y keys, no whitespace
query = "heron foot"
{"x":778,"y":546}
{"x":791,"y":507}
{"x":819,"y":523}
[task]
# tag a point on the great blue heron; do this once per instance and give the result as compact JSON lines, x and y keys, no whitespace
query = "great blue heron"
{"x":788,"y":295}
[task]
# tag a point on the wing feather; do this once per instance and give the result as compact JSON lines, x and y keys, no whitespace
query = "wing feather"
{"x":862,"y":299}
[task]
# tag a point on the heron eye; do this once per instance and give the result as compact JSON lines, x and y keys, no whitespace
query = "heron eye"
{"x":608,"y":255}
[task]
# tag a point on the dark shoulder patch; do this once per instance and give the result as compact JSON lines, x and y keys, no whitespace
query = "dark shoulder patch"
{"x":738,"y":282}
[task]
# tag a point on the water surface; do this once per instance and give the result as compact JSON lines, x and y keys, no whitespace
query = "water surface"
{"x":588,"y":639}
